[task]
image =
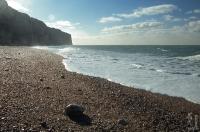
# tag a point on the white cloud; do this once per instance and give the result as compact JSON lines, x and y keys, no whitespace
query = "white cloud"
{"x":171,"y":18}
{"x":152,"y":37}
{"x":193,"y":17}
{"x":18,"y":5}
{"x":168,"y":17}
{"x":179,"y":35}
{"x":137,"y":27}
{"x":153,"y":10}
{"x":190,"y":18}
{"x":146,"y":33}
{"x":197,"y":11}
{"x":189,"y":12}
{"x":109,"y":19}
{"x":193,"y":26}
{"x":62,"y":25}
{"x":69,"y":27}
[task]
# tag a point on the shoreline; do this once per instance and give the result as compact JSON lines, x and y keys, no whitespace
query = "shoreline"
{"x":110,"y":80}
{"x":68,"y":69}
{"x":37,"y":87}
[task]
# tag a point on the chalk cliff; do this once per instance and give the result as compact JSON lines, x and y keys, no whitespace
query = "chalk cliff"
{"x":18,"y":28}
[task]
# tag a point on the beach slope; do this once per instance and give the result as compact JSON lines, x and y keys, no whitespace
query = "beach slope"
{"x":35,"y":89}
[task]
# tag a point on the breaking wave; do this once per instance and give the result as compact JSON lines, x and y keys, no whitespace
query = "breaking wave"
{"x":192,"y":58}
{"x":68,"y":49}
{"x":163,"y":50}
{"x":138,"y":66}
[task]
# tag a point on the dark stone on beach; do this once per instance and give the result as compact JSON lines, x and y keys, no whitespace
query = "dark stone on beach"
{"x":74,"y":110}
{"x":44,"y":125}
{"x":47,"y":88}
{"x":75,"y":113}
{"x":41,"y":80}
{"x":123,"y":122}
{"x":62,"y":76}
{"x":6,"y":69}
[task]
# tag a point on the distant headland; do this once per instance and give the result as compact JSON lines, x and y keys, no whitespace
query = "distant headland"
{"x":18,"y":28}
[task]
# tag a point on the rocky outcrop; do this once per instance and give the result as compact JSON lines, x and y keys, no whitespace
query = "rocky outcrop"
{"x":20,"y":29}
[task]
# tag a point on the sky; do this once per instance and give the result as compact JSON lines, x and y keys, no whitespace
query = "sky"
{"x":119,"y":22}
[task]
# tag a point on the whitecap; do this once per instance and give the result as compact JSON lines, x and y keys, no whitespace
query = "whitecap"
{"x":41,"y":47}
{"x":137,"y":66}
{"x":68,"y":49}
{"x":159,"y":70}
{"x":192,"y":58}
{"x":66,"y":66}
{"x":164,"y":50}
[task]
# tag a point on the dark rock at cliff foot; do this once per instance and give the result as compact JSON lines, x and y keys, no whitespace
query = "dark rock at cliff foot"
{"x":20,"y":29}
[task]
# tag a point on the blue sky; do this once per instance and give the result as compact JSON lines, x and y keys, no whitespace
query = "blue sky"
{"x":119,"y":21}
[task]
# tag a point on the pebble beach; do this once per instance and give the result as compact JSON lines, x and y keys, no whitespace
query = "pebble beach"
{"x":35,"y":89}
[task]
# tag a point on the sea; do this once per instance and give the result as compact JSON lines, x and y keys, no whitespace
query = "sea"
{"x":170,"y":69}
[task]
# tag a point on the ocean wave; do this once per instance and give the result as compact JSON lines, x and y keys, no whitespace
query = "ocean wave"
{"x":68,"y":49}
{"x":157,"y":70}
{"x":137,"y":66}
{"x":192,"y":58}
{"x":41,"y":47}
{"x":160,"y":70}
{"x":66,"y":66}
{"x":164,"y":50}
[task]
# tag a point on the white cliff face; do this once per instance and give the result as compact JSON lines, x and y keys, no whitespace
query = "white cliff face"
{"x":20,"y":29}
{"x":3,"y":3}
{"x":3,"y":7}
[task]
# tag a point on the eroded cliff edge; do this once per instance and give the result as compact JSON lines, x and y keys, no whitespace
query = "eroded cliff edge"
{"x":18,"y":28}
